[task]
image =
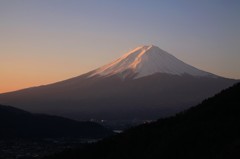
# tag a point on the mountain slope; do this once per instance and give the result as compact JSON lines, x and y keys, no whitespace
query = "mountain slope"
{"x":144,"y":84}
{"x":209,"y":130}
{"x":145,"y":61}
{"x":16,"y":123}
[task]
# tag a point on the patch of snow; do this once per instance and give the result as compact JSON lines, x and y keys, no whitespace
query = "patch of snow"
{"x":148,"y":60}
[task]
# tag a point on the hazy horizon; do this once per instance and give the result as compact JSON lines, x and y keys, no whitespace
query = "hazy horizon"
{"x":44,"y":42}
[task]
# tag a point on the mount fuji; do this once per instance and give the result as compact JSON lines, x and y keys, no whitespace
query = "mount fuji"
{"x":145,"y":83}
{"x":145,"y":61}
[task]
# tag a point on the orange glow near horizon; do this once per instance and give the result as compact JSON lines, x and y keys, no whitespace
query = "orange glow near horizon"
{"x":43,"y":42}
{"x":23,"y":80}
{"x":24,"y":73}
{"x":13,"y":84}
{"x":17,"y":80}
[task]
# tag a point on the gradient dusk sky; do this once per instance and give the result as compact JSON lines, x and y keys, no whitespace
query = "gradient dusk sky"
{"x":44,"y":41}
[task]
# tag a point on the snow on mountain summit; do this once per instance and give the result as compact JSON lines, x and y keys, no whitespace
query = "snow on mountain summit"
{"x":147,"y":60}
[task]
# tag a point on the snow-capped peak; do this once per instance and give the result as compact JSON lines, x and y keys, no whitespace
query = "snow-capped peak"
{"x":147,"y":60}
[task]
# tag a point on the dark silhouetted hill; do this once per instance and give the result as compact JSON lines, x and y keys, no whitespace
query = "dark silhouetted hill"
{"x":209,"y":130}
{"x":16,"y":123}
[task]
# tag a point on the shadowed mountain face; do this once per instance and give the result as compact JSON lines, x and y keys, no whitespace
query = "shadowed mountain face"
{"x":112,"y":98}
{"x":146,"y":83}
{"x":210,"y":130}
{"x":16,"y":123}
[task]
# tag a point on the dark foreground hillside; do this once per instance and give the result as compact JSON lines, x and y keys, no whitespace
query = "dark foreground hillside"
{"x":16,"y":123}
{"x":209,"y":130}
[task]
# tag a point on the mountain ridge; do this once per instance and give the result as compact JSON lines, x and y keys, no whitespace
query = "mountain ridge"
{"x":16,"y":123}
{"x":147,"y":60}
{"x":119,"y":96}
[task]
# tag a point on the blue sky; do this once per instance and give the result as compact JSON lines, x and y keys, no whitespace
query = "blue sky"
{"x":43,"y":41}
